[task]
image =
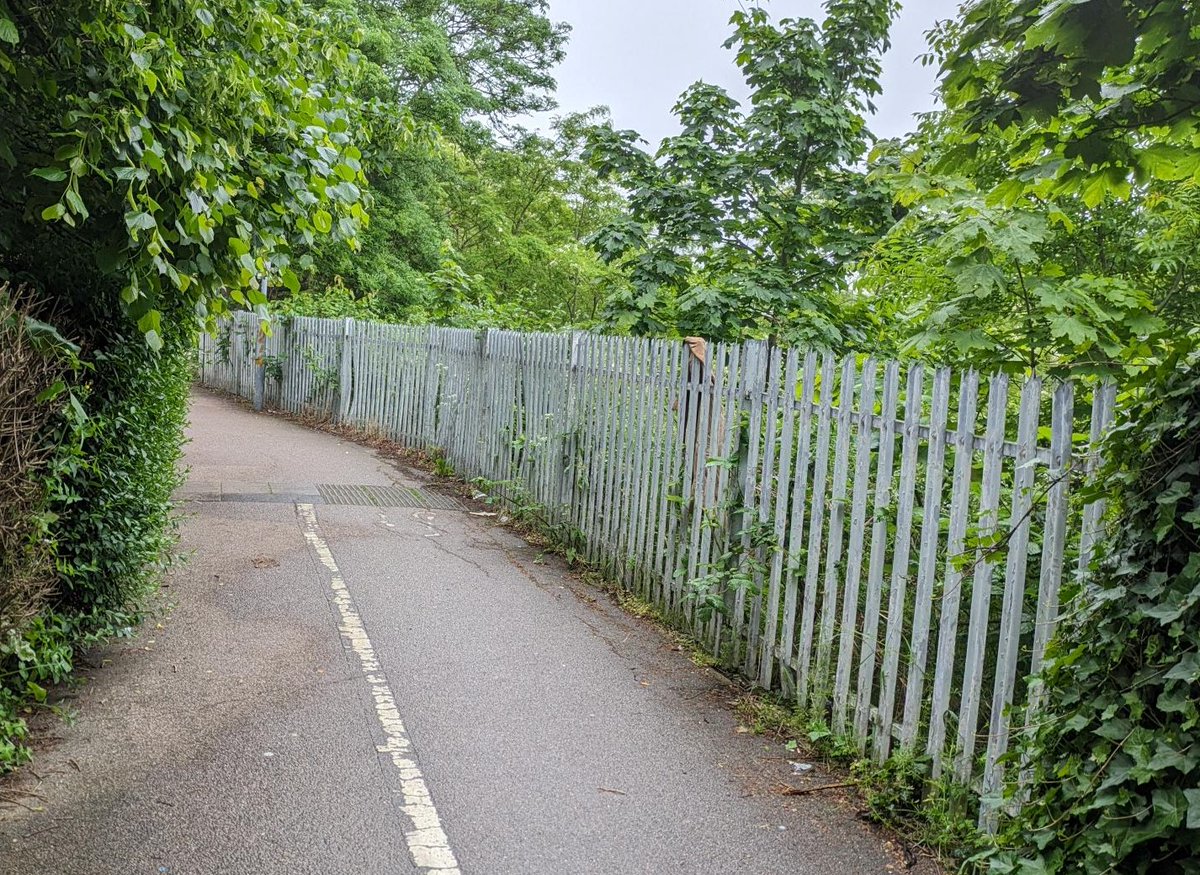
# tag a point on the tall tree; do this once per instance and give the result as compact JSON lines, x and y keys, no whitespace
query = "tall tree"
{"x":519,"y":217}
{"x":748,"y":221}
{"x":458,"y":68}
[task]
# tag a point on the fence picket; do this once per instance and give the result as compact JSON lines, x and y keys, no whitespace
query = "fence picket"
{"x":875,"y":568}
{"x":981,"y":585}
{"x":906,"y":490}
{"x":782,"y":494}
{"x":931,"y":515}
{"x":815,"y":530}
{"x":852,"y":575}
{"x":960,"y":495}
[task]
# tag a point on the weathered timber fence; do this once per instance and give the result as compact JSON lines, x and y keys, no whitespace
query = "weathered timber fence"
{"x":844,"y":531}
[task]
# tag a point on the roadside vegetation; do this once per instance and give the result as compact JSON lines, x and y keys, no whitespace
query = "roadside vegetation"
{"x":163,"y":163}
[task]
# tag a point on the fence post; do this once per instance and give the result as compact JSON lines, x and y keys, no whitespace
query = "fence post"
{"x":346,"y":381}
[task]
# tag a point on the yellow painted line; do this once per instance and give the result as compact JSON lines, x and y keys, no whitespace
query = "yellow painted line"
{"x":427,"y":841}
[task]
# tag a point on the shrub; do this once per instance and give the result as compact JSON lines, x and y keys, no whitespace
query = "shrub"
{"x":111,"y":493}
{"x":86,"y":522}
{"x":1115,"y":758}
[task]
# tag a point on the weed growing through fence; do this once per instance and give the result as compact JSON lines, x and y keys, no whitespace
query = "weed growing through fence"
{"x":933,"y":813}
{"x":742,"y":567}
{"x":325,"y":379}
{"x":225,"y":343}
{"x":273,"y":367}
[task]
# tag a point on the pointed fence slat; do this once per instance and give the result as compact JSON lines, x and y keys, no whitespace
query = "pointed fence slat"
{"x":879,"y":549}
{"x":816,"y":529}
{"x":896,"y":618}
{"x":931,"y":516}
{"x":981,"y":585}
{"x":1017,"y":556}
{"x":837,"y":521}
{"x":852,"y":578}
{"x":782,"y":494}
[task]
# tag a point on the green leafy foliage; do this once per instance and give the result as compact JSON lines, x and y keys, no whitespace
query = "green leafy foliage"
{"x":749,"y":221}
{"x":31,"y":659}
{"x":174,"y":151}
{"x":1115,"y":757}
{"x":336,"y":301}
{"x":156,"y":160}
{"x":520,"y":217}
{"x":1095,"y":96}
{"x":110,"y":485}
{"x":1048,"y":205}
{"x":504,"y":205}
{"x":1021,"y":284}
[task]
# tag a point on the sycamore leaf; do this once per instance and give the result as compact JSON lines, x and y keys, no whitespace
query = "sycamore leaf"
{"x":1065,"y":325}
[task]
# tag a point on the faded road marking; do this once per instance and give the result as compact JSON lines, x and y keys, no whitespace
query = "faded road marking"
{"x":426,"y":840}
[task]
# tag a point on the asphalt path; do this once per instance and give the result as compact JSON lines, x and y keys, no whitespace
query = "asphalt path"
{"x":331,"y":689}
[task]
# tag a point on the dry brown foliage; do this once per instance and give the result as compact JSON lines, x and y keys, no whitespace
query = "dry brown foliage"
{"x":26,"y":568}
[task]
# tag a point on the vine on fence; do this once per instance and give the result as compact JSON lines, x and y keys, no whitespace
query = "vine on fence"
{"x":1114,"y":761}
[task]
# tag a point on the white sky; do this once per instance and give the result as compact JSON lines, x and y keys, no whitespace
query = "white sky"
{"x":637,"y":56}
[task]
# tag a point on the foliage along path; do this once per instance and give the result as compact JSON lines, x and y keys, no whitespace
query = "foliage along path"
{"x":355,"y":689}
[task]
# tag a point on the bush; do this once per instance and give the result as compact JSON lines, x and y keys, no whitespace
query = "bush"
{"x":111,"y":492}
{"x":30,"y":393}
{"x":96,"y":507}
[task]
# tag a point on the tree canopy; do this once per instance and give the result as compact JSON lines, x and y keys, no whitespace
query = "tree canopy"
{"x":749,"y":220}
{"x":174,"y":151}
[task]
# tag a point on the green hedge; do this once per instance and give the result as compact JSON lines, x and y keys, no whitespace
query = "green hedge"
{"x":110,"y":522}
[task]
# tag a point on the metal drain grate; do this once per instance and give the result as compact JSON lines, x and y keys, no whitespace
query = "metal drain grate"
{"x":386,"y":496}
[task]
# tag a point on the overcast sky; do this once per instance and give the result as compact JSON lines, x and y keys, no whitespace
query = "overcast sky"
{"x":637,"y":56}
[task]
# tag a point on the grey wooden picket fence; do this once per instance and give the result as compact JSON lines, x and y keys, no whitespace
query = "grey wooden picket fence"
{"x":889,"y":545}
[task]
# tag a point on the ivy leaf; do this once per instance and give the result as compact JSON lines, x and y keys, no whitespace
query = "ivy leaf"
{"x":1187,"y":669}
{"x":1193,"y":808}
{"x":8,"y":31}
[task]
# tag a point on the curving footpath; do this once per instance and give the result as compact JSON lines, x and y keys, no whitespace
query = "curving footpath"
{"x":354,"y":673}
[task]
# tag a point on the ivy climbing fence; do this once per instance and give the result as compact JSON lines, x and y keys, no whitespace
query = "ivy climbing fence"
{"x":889,"y":545}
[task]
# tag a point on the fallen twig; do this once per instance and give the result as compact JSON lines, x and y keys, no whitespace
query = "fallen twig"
{"x":804,"y":791}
